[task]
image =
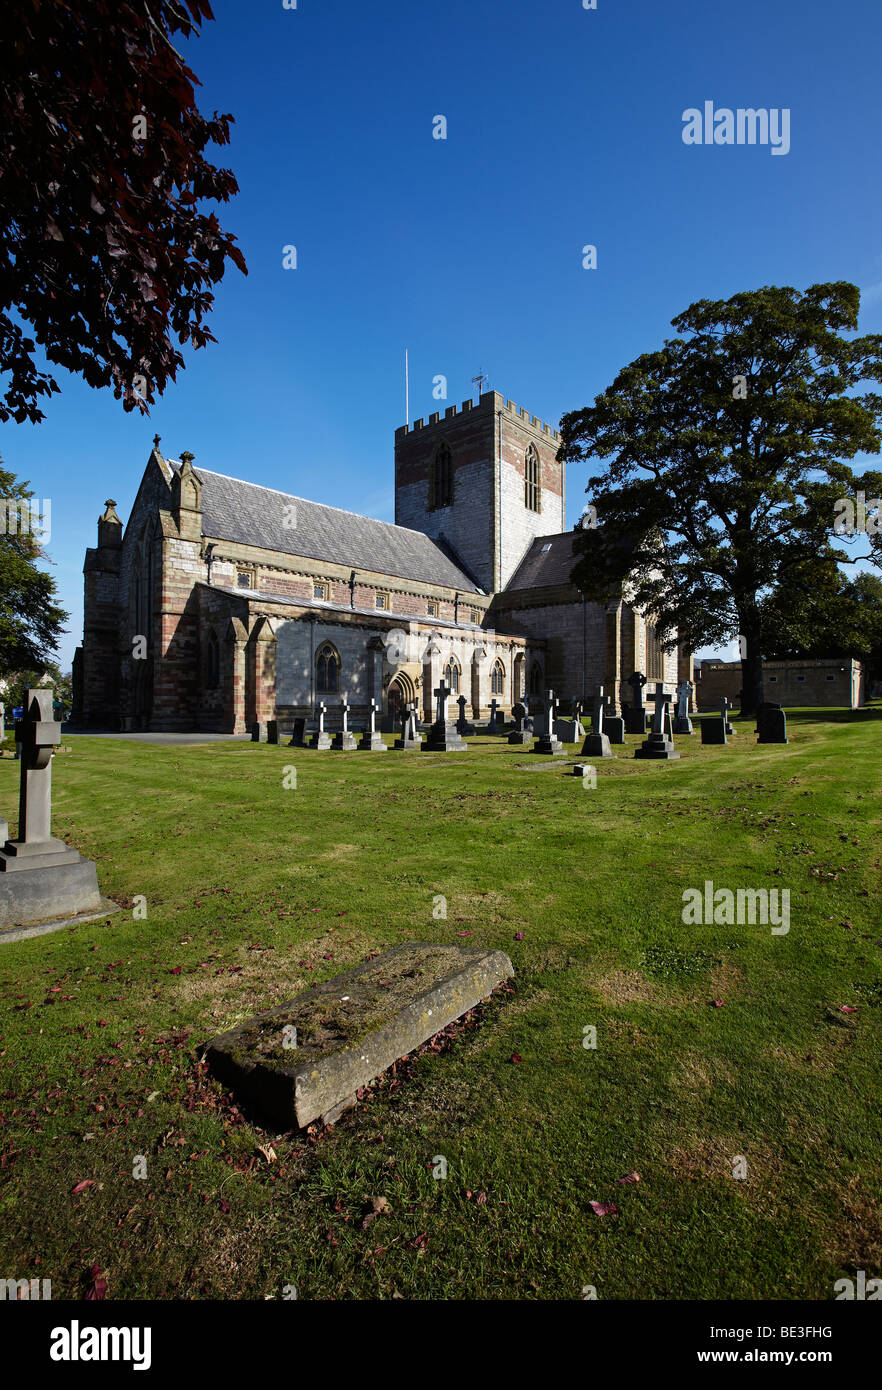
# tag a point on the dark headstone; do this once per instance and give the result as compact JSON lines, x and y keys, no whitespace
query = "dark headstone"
{"x":771,"y":723}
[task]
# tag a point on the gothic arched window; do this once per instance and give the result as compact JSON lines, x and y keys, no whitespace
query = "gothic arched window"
{"x":497,"y":678}
{"x":327,"y":670}
{"x":441,"y":478}
{"x":535,"y":679}
{"x":451,"y":675}
{"x":531,"y":480}
{"x":212,"y":662}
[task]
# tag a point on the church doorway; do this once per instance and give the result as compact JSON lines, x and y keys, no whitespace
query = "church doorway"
{"x":396,"y":702}
{"x":399,"y":695}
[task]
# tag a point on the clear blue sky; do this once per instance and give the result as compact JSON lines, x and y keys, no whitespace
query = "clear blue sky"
{"x":564,"y":128}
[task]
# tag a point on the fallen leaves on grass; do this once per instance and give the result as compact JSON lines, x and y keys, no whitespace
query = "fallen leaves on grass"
{"x":98,"y":1284}
{"x":603,"y":1208}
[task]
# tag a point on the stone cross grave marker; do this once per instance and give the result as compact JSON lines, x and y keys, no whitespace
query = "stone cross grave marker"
{"x":597,"y":742}
{"x":520,"y":734}
{"x":724,"y":713}
{"x":462,"y":724}
{"x":42,"y":879}
{"x":635,"y":714}
{"x":343,"y":738}
{"x":549,"y":744}
{"x":373,"y":741}
{"x":658,"y":745}
{"x":444,"y":737}
{"x":321,"y":738}
{"x":682,"y":722}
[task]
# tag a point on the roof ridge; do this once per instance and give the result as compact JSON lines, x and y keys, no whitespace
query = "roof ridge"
{"x":295,"y":497}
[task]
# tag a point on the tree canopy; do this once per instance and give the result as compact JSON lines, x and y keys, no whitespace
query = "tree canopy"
{"x":104,"y":250}
{"x":31,"y":620}
{"x":727,"y":452}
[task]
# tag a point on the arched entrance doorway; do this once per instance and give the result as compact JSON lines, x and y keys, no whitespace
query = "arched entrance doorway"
{"x":400,"y":693}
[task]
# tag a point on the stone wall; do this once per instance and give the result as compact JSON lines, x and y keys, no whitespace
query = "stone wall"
{"x":837,"y":682}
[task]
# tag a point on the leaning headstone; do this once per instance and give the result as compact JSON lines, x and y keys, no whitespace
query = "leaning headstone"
{"x":443,"y":735}
{"x":682,"y":722}
{"x":258,"y":732}
{"x":635,"y":714}
{"x":521,"y":734}
{"x":463,"y":727}
{"x":44,"y":884}
{"x":307,"y":1059}
{"x":372,"y":740}
{"x":344,"y":738}
{"x":771,"y":723}
{"x":547,"y":743}
{"x":298,"y":733}
{"x":321,"y":738}
{"x":597,"y":743}
{"x":658,"y":745}
{"x":272,"y":731}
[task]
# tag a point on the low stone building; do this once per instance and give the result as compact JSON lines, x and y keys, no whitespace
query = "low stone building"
{"x":223,"y":602}
{"x":832,"y":681}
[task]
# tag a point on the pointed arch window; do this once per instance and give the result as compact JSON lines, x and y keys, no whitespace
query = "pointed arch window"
{"x":327,"y":670}
{"x":532,"y":491}
{"x":452,"y":675}
{"x":497,"y":678}
{"x":212,"y":662}
{"x":441,"y":478}
{"x":535,"y":679}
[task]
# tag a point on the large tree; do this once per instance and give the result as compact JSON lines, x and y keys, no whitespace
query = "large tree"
{"x":31,"y":620}
{"x":727,"y":451}
{"x":105,"y":251}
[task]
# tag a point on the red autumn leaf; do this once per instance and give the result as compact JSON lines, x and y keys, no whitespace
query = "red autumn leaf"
{"x":81,"y":1186}
{"x":176,"y":970}
{"x":847,"y":1009}
{"x":519,"y":936}
{"x":718,"y":1003}
{"x":464,"y":933}
{"x":515,"y":1057}
{"x":98,"y":1286}
{"x":603,"y":1208}
{"x":629,"y":1177}
{"x":224,"y":1205}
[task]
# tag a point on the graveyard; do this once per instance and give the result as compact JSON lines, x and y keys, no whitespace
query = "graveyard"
{"x":645,"y":1107}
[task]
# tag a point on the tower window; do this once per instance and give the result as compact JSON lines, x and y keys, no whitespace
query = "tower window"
{"x":381,"y":601}
{"x":532,"y":492}
{"x":319,"y":591}
{"x":431,"y":609}
{"x":243,"y":579}
{"x":441,"y":478}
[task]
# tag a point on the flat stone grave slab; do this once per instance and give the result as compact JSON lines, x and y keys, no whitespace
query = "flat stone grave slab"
{"x":306,"y":1059}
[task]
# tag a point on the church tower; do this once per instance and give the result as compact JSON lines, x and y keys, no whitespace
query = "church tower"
{"x":483,"y":481}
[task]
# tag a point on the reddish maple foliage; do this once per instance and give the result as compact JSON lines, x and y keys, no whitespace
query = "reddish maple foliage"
{"x":104,"y":251}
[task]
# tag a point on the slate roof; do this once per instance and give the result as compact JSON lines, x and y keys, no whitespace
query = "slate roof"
{"x":249,"y":514}
{"x":549,"y":560}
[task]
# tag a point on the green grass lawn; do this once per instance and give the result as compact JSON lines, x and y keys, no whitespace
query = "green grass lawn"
{"x":714,"y":1043}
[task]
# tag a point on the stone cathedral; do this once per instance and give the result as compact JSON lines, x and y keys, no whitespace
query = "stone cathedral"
{"x":222,"y":602}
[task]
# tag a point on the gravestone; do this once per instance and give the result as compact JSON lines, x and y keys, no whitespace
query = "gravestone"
{"x":410,"y":737}
{"x":2,"y":721}
{"x":682,"y":722}
{"x":771,"y":723}
{"x":373,"y":741}
{"x":321,"y":738}
{"x":635,"y":714}
{"x":344,"y":738}
{"x":298,"y":733}
{"x":463,"y":726}
{"x":495,"y":723}
{"x":272,"y":731}
{"x":597,"y":743}
{"x":44,"y":884}
{"x":521,"y":734}
{"x":659,"y":745}
{"x":258,"y":732}
{"x":547,"y":743}
{"x":724,"y":711}
{"x":307,"y":1059}
{"x":613,"y":725}
{"x":443,"y":736}
{"x":714,"y":730}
